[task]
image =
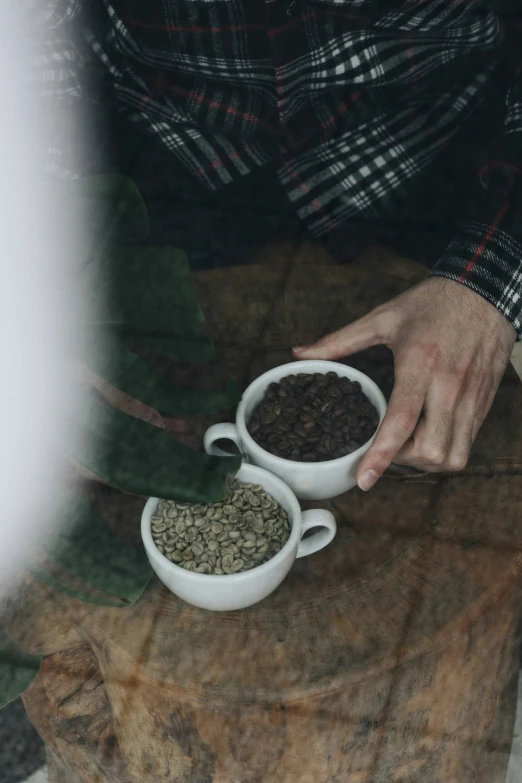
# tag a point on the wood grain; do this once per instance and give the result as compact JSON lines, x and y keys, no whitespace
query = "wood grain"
{"x":389,"y":657}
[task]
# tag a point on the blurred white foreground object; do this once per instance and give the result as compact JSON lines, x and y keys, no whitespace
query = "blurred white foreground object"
{"x":38,"y":309}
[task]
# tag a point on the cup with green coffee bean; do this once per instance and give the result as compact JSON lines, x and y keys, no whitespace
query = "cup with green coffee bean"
{"x":234,"y":552}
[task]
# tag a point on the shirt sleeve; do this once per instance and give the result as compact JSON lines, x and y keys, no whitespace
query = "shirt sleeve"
{"x":51,"y":78}
{"x":486,"y":255}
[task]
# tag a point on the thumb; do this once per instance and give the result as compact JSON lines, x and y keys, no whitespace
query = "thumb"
{"x":351,"y":339}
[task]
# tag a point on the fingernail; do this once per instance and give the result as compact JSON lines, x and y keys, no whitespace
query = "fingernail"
{"x":300,"y":348}
{"x":367,"y":480}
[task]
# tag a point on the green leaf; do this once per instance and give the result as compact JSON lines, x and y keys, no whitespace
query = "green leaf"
{"x":17,"y":670}
{"x":113,"y":205}
{"x":177,"y":346}
{"x":114,"y":362}
{"x":145,"y":290}
{"x":86,"y":546}
{"x":143,"y":297}
{"x":144,"y":460}
{"x":78,"y":595}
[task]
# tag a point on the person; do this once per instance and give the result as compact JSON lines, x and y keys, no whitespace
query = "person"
{"x":346,"y":120}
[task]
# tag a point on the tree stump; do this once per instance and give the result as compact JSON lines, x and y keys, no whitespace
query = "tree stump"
{"x":391,"y":655}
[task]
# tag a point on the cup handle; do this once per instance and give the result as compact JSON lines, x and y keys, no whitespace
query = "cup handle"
{"x":220,"y":432}
{"x":316,"y":517}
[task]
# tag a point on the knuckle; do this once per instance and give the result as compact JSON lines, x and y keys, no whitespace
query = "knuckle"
{"x":433,"y":455}
{"x":457,"y":462}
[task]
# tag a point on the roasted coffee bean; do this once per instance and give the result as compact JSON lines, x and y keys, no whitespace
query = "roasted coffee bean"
{"x":268,"y":415}
{"x":313,"y":417}
{"x":330,"y":444}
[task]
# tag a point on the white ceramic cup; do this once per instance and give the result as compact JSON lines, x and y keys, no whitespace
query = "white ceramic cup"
{"x":236,"y":591}
{"x":309,"y":481}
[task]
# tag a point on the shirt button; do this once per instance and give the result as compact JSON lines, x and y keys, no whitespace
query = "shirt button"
{"x":291,"y":8}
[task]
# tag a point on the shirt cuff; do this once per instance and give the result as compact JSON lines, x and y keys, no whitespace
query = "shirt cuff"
{"x":488,"y":260}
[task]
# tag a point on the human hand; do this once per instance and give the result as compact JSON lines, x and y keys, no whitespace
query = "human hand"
{"x":451,"y":348}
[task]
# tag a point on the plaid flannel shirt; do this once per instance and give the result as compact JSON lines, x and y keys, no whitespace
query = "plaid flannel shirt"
{"x":353,"y":98}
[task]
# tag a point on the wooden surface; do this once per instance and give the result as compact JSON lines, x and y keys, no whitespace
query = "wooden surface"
{"x":389,"y":657}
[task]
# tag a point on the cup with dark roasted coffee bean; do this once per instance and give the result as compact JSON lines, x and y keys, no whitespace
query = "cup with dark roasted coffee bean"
{"x":308,"y":422}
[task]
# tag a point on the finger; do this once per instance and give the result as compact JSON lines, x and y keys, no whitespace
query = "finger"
{"x":453,"y":458}
{"x":355,"y":337}
{"x":474,"y":412}
{"x":432,"y":440}
{"x":463,"y":434}
{"x":482,"y":412}
{"x":409,"y":393}
{"x":425,"y":454}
